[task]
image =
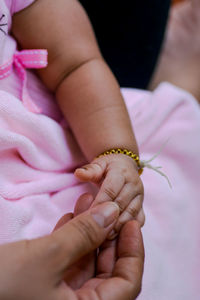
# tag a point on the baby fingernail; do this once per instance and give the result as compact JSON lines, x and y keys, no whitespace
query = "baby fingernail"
{"x":106,"y":213}
{"x":83,"y":168}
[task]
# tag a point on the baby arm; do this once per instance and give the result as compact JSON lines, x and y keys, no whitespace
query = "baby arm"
{"x":88,"y":95}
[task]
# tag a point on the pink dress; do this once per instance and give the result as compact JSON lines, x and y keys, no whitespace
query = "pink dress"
{"x":38,"y":156}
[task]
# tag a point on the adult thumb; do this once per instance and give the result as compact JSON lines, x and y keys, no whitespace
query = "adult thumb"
{"x":83,"y":234}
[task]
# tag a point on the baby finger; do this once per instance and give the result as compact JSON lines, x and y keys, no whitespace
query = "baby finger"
{"x":131,"y":212}
{"x":141,"y":217}
{"x":128,"y":193}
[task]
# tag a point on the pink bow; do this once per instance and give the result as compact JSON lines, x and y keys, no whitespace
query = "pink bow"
{"x":34,"y":59}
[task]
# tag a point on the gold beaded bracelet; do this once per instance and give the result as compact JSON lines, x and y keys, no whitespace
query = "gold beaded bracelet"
{"x":135,"y":157}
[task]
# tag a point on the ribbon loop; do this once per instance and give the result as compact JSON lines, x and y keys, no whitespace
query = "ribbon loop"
{"x":34,"y":59}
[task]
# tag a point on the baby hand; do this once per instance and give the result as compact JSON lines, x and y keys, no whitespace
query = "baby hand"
{"x":119,"y":181}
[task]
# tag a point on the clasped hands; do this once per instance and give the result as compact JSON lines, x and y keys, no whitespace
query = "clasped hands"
{"x":66,"y":264}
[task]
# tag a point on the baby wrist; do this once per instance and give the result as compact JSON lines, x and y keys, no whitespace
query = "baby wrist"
{"x":127,"y":152}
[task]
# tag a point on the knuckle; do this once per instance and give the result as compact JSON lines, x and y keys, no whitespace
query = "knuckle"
{"x":120,"y":203}
{"x":132,"y":210}
{"x":110,"y":192}
{"x":86,"y":231}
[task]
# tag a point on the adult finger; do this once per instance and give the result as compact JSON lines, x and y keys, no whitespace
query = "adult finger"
{"x":82,"y":270}
{"x":106,"y":259}
{"x":131,"y":253}
{"x":128,"y":271}
{"x":63,"y":220}
{"x":83,"y":203}
{"x":81,"y":235}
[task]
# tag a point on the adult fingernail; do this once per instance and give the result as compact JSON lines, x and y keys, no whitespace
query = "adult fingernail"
{"x":105,"y":214}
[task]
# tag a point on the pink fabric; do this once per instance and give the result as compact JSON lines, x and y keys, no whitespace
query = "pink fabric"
{"x":172,"y":229}
{"x":9,"y":7}
{"x":34,"y":59}
{"x":38,"y":157}
{"x":17,"y":5}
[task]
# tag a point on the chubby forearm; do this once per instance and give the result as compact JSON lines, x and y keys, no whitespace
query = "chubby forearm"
{"x":85,"y":88}
{"x":92,"y":103}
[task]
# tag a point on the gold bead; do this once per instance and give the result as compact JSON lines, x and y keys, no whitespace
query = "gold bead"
{"x":119,"y":151}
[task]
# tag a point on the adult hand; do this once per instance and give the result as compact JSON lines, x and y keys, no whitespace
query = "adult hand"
{"x":36,"y":269}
